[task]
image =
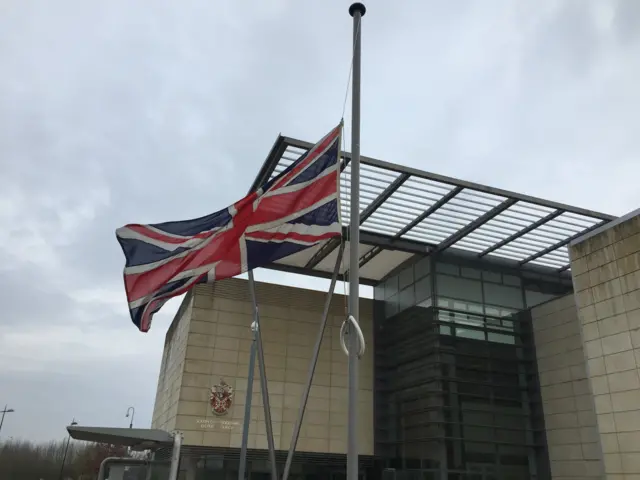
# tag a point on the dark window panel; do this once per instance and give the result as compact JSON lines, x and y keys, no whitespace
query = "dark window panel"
{"x":406,"y":277}
{"x":447,"y":268}
{"x":458,"y":287}
{"x":422,"y":267}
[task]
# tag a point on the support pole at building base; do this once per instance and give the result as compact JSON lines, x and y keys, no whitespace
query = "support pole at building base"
{"x":175,"y":456}
{"x":256,"y":350}
{"x":312,"y":365}
{"x":247,"y":406}
{"x":263,"y":381}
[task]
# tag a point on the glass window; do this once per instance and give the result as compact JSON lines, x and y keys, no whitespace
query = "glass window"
{"x":494,"y":311}
{"x":391,"y":306}
{"x":457,"y":287}
{"x":422,"y":267}
{"x":470,"y":273}
{"x":537,"y":291}
{"x":494,"y":322}
{"x":447,"y":268}
{"x":500,"y":324}
{"x":445,"y":302}
{"x":391,"y":287}
{"x":492,"y":277}
{"x":213,"y":462}
{"x":507,"y":324}
{"x":461,"y":305}
{"x":445,"y":316}
{"x":378,"y":292}
{"x":464,"y":306}
{"x":503,"y":295}
{"x":536,"y":298}
{"x":423,"y":289}
{"x":511,"y":280}
{"x":406,"y":277}
{"x":475,"y":308}
{"x":407,"y":298}
{"x":445,"y":330}
{"x":469,"y":333}
{"x":426,"y":303}
{"x":501,"y":338}
{"x":467,"y":319}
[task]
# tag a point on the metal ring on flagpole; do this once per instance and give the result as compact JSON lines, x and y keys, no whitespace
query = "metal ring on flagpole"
{"x":343,"y":332}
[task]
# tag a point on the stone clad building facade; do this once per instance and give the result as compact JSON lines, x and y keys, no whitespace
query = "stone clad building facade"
{"x":606,"y":277}
{"x":209,"y":343}
{"x":588,"y":358}
{"x":569,"y":411}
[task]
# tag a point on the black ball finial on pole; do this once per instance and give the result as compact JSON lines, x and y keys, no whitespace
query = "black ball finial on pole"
{"x":357,"y":7}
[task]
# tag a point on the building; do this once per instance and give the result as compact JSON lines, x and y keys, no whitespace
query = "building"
{"x":502,"y":342}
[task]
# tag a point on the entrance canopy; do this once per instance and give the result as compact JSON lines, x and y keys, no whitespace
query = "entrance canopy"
{"x":406,"y":211}
{"x":136,"y":438}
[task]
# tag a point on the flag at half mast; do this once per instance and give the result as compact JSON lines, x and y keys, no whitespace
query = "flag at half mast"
{"x":293,"y":211}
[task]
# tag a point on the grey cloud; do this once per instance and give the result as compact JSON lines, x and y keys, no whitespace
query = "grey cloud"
{"x":30,"y":299}
{"x":45,"y":402}
{"x":627,"y":21}
{"x":567,"y":43}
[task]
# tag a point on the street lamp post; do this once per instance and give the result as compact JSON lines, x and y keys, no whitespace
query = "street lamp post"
{"x":4,"y":412}
{"x":133,"y":412}
{"x":66,"y":449}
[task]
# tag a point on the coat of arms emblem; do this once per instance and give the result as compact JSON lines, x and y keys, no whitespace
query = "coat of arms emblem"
{"x":221,"y":398}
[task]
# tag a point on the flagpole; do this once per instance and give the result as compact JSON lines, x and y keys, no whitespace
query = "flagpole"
{"x":256,"y":350}
{"x":263,"y":380}
{"x":247,"y":405}
{"x":356,"y":10}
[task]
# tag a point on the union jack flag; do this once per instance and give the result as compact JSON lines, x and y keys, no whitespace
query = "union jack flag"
{"x":295,"y":210}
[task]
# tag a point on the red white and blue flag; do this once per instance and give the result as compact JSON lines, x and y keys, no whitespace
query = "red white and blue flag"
{"x":293,"y":211}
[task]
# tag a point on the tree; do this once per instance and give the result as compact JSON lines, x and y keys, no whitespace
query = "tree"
{"x":23,"y":460}
{"x":92,"y":456}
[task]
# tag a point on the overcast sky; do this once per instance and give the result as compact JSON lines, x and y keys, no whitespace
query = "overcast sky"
{"x":145,"y":111}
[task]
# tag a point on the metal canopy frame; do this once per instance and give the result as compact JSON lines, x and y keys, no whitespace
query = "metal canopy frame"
{"x":135,"y":438}
{"x":411,"y":211}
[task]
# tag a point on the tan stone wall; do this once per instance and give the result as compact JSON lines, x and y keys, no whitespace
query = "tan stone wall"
{"x":569,"y":415}
{"x":606,"y":272}
{"x":218,"y":348}
{"x":171,"y":369}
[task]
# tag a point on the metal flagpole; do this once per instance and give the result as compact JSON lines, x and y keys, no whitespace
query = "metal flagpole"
{"x":356,"y":10}
{"x":247,"y":407}
{"x":263,"y":380}
{"x":256,"y":349}
{"x":312,"y":365}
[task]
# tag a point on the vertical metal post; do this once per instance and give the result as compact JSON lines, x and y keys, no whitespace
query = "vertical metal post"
{"x":312,"y":365}
{"x":247,"y":408}
{"x":4,"y":412}
{"x":2,"y":419}
{"x":66,"y":450}
{"x":356,"y":10}
{"x":263,"y":380}
{"x":256,"y":348}
{"x":175,"y":456}
{"x":149,"y":472}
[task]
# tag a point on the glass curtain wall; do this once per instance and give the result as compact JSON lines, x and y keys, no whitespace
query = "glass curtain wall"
{"x":456,"y":382}
{"x":473,"y":302}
